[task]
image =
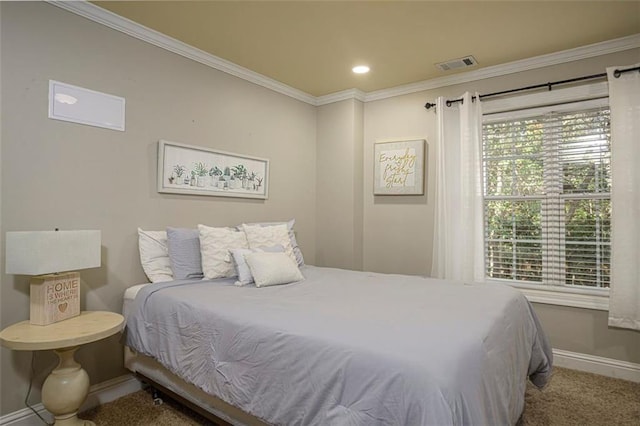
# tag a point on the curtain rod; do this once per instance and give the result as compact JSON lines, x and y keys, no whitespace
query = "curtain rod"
{"x":616,"y":74}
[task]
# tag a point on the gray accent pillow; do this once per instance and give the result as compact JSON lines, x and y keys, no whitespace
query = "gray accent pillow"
{"x":184,"y":253}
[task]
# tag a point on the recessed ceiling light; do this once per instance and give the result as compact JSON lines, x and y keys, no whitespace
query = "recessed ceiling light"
{"x":360,"y":69}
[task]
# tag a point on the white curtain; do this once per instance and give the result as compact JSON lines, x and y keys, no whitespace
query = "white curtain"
{"x":624,"y":101}
{"x":458,"y":248}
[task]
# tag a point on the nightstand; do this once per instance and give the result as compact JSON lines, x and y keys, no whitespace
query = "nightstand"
{"x":67,"y":386}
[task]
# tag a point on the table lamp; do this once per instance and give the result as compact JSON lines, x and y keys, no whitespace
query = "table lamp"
{"x":51,"y":256}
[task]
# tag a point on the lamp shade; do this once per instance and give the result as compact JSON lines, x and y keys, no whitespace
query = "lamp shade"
{"x":45,"y":252}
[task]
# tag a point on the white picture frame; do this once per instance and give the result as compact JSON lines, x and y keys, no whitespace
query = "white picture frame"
{"x":399,"y":167}
{"x":196,"y":170}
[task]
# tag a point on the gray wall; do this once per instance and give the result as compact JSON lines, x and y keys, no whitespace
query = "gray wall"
{"x":398,"y":230}
{"x":59,"y":174}
{"x":339,"y":185}
{"x":586,"y":331}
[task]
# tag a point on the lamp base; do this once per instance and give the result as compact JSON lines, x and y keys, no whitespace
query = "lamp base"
{"x":54,"y":297}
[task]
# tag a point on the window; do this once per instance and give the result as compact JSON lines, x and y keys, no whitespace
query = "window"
{"x":546,"y":187}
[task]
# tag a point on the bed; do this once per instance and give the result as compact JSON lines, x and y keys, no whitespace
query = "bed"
{"x":340,"y":347}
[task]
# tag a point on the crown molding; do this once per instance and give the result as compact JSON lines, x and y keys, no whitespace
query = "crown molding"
{"x":133,"y":29}
{"x":564,"y":56}
{"x":356,"y":94}
{"x":97,"y":14}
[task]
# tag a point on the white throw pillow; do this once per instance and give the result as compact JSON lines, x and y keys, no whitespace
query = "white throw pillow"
{"x":242,"y":269}
{"x":273,"y":268}
{"x":244,"y":273}
{"x":292,"y":236}
{"x":215,"y":244}
{"x":267,"y":236}
{"x":154,"y":255}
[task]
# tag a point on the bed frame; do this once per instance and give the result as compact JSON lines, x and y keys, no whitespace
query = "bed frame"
{"x":158,"y":377}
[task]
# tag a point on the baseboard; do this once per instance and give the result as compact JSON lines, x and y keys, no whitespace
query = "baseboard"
{"x":598,"y":365}
{"x":100,"y":393}
{"x":111,"y":390}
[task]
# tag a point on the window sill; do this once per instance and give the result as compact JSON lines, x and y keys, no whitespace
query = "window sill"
{"x":597,"y":299}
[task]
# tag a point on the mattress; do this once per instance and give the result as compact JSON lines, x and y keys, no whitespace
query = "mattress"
{"x":346,"y":347}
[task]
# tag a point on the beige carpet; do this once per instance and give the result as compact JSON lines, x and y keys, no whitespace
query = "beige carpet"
{"x":576,"y":398}
{"x":571,"y":398}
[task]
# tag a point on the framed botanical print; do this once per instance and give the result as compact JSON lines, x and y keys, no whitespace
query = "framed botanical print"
{"x":187,"y":169}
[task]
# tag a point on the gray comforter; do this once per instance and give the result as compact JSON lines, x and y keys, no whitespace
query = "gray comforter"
{"x":349,"y":348}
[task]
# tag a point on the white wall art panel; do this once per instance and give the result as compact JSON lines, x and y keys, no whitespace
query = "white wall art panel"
{"x":84,"y":106}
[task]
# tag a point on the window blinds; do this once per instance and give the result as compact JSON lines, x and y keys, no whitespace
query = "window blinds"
{"x":547,"y":181}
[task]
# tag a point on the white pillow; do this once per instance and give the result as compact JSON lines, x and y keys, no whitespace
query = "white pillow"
{"x":154,"y":255}
{"x":215,"y":244}
{"x":244,"y":273}
{"x":273,"y":268}
{"x":267,"y":236}
{"x":292,"y":236}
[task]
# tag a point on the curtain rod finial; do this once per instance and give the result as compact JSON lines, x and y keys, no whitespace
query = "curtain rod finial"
{"x":429,"y":105}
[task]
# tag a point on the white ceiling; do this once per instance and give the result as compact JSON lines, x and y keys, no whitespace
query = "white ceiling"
{"x":312,"y":45}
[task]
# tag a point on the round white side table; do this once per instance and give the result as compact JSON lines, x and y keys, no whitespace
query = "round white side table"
{"x":67,"y":386}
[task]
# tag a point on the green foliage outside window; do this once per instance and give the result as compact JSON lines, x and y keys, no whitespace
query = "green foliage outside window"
{"x":547,"y":209}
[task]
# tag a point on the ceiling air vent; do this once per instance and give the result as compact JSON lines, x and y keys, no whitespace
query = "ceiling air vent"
{"x":454,"y":64}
